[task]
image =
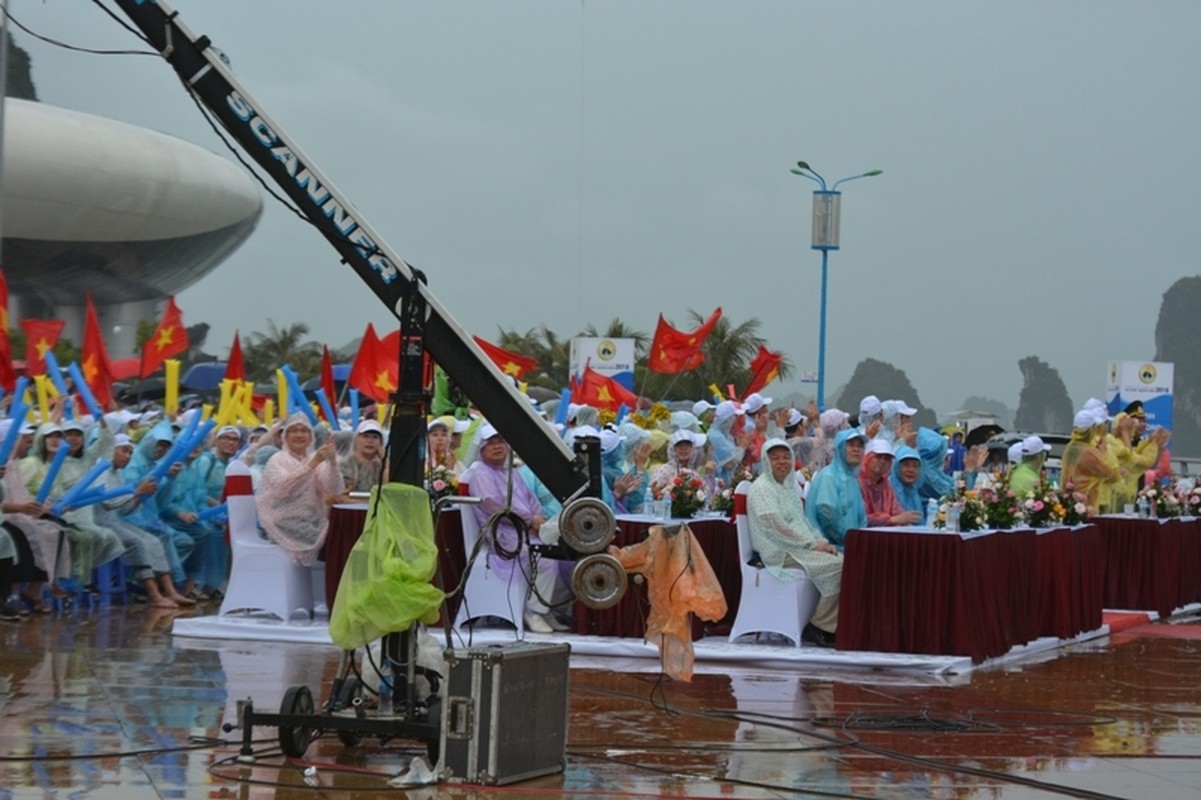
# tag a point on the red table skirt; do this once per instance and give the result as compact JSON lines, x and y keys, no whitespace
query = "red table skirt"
{"x":975,"y":595}
{"x":628,"y":617}
{"x":1151,"y":564}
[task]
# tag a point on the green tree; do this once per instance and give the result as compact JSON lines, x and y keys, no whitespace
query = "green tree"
{"x":1044,"y":405}
{"x":886,"y":382}
{"x":266,"y":352}
{"x":545,"y":347}
{"x":619,"y":330}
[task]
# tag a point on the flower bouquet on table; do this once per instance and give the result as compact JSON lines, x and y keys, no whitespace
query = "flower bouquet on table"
{"x":1163,"y":501}
{"x":440,"y":481}
{"x":1074,"y":505}
{"x":1190,"y":500}
{"x":1002,"y":508}
{"x":722,"y":500}
{"x":965,"y":508}
{"x":687,"y":495}
{"x":1042,"y":508}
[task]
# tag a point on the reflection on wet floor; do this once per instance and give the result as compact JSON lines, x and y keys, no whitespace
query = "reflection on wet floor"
{"x":105,"y":703}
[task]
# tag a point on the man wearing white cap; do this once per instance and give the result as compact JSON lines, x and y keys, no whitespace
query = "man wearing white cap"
{"x":1026,"y":476}
{"x":501,"y":491}
{"x":897,"y":423}
{"x":1087,"y":463}
{"x":758,"y":415}
{"x":725,"y":437}
{"x":145,"y":552}
{"x":879,"y":500}
{"x":871,"y":416}
{"x":703,"y":411}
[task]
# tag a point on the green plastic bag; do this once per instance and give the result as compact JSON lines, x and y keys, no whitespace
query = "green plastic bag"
{"x":385,"y":586}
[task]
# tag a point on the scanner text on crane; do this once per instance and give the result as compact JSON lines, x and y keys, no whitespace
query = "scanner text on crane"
{"x":334,"y":210}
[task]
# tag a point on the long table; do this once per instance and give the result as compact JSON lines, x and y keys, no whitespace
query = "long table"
{"x":1151,"y":564}
{"x":913,"y":590}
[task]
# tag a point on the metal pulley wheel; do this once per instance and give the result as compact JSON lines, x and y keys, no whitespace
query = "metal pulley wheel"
{"x":587,"y":525}
{"x":599,"y":580}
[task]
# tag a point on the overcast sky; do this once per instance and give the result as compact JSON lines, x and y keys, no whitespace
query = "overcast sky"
{"x":571,"y":162}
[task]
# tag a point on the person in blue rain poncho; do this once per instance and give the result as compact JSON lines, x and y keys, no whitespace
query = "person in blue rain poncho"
{"x":209,"y":562}
{"x":722,"y":437}
{"x":834,"y":503}
{"x":935,"y":483}
{"x":906,"y":473}
{"x":627,"y":486}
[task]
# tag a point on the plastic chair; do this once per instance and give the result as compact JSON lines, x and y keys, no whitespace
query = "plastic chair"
{"x":488,"y":593}
{"x":262,"y":576}
{"x":768,"y":604}
{"x":110,"y":580}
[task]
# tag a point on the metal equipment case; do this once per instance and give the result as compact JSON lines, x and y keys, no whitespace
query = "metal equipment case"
{"x":504,"y":713}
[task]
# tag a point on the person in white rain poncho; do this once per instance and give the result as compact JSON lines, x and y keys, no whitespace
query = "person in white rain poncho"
{"x":292,"y":498}
{"x":786,"y":540}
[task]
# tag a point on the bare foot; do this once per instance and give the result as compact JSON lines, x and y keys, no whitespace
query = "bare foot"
{"x":162,"y":602}
{"x":180,"y":600}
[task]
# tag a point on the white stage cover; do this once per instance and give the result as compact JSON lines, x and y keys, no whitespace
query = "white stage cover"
{"x":638,"y":655}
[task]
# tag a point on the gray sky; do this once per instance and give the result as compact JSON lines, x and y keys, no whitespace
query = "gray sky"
{"x":571,"y":162}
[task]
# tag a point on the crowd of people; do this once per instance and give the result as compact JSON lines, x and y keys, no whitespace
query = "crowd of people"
{"x":814,"y":477}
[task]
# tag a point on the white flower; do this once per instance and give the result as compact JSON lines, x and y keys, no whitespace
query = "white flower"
{"x":1081,"y":508}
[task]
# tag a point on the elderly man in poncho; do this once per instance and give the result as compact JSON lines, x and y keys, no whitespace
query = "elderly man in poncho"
{"x":786,"y":540}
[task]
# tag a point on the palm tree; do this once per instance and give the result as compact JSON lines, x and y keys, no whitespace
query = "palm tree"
{"x":266,"y":352}
{"x":544,"y":346}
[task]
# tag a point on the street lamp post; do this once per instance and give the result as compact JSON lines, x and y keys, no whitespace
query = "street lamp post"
{"x":827,"y":210}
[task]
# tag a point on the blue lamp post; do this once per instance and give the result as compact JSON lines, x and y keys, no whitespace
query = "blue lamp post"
{"x":827,"y":209}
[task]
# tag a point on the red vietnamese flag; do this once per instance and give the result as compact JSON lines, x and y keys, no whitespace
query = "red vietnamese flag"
{"x":97,"y":370}
{"x":235,"y":365}
{"x":374,"y":372}
{"x":601,"y":391}
{"x":511,"y":364}
{"x":8,"y":375}
{"x":40,"y":335}
{"x":170,"y":339}
{"x":674,"y":351}
{"x":765,"y":368}
{"x":327,"y":380}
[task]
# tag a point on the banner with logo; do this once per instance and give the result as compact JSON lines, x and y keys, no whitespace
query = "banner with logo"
{"x":611,"y":357}
{"x":1148,"y":381}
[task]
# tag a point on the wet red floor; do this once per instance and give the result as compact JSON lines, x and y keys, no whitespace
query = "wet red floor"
{"x":106,"y":704}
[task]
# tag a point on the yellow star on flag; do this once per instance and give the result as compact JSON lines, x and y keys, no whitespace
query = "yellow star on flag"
{"x":384,"y":381}
{"x":90,"y":368}
{"x":165,"y":338}
{"x":511,"y":369}
{"x":42,"y":346}
{"x":4,"y":318}
{"x":603,"y":394}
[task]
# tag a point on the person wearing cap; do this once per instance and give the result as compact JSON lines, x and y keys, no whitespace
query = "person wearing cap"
{"x":439,"y":445}
{"x":293,"y":498}
{"x":93,"y":544}
{"x":724,"y":437}
{"x":43,"y":549}
{"x":829,"y":423}
{"x":363,"y":466}
{"x":1027,"y":474}
{"x":1135,"y":453}
{"x":758,"y":417}
{"x":1087,"y":462}
{"x":147,"y":512}
{"x":871,"y":417}
{"x":145,"y":553}
{"x":906,"y":471}
{"x":835,"y":503}
{"x":500,"y":491}
{"x":879,"y":501}
{"x":703,"y":411}
{"x":897,"y":423}
{"x":786,"y":540}
{"x":626,"y":486}
{"x":682,"y":450}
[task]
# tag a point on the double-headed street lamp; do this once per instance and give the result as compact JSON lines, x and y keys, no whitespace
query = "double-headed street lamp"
{"x":827,"y":208}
